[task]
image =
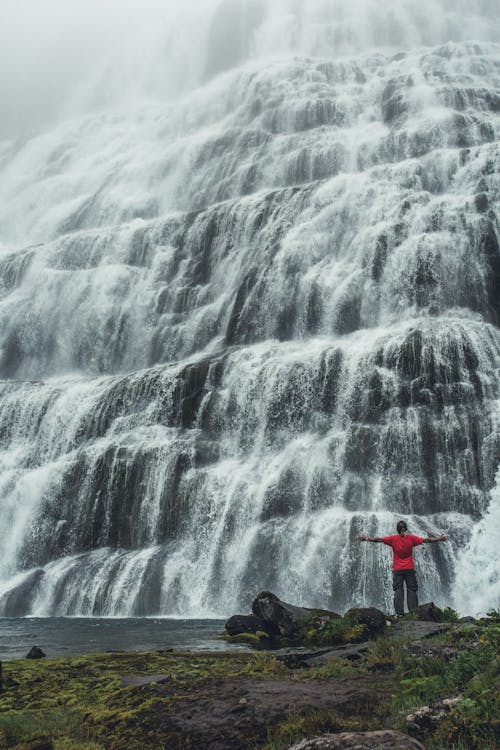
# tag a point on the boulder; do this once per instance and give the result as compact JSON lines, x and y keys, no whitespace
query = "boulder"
{"x":285,"y":616}
{"x":35,"y":652}
{"x":373,"y":618}
{"x":238,"y":624}
{"x":386,"y":739}
{"x":426,"y":719}
{"x":428,"y":612}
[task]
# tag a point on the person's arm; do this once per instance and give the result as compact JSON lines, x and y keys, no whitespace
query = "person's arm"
{"x":432,"y":539}
{"x":364,"y":538}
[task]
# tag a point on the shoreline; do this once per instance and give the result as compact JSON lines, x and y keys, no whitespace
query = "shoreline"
{"x":234,"y":700}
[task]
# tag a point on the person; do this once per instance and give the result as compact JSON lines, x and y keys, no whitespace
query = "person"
{"x":403,"y":568}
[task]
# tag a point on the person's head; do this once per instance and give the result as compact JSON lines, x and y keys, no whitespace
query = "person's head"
{"x":402,"y":528}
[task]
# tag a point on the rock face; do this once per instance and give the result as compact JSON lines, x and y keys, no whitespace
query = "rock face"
{"x":382,"y":740}
{"x":285,"y":616}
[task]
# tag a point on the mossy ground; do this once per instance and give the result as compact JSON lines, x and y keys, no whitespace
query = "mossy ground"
{"x":80,"y":705}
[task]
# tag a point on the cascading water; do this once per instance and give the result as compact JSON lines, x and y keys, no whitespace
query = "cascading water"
{"x":249,"y":308}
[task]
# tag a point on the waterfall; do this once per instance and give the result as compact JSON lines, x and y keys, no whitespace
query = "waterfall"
{"x":250,"y":308}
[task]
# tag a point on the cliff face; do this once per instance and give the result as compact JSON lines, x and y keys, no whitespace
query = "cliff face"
{"x":241,"y":326}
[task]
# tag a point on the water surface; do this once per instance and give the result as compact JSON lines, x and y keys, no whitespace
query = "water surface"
{"x":68,"y":636}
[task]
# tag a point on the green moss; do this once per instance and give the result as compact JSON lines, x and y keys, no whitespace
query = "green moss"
{"x":259,"y":639}
{"x":330,"y":631}
{"x":80,"y":704}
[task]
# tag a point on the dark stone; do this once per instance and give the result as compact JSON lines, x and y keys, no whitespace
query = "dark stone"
{"x":379,"y":258}
{"x":189,"y":392}
{"x":16,"y":602}
{"x":284,"y":498}
{"x":244,"y":291}
{"x":35,"y":652}
{"x":268,"y":607}
{"x":481,"y":201}
{"x":329,"y":379}
{"x":314,"y":309}
{"x":348,"y":316}
{"x":491,"y":249}
{"x":385,"y":739}
{"x":428,"y":612}
{"x":285,"y":616}
{"x":372,"y":617}
{"x":394,"y":100}
{"x":238,"y":624}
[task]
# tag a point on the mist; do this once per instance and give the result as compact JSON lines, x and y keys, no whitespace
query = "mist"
{"x":61,"y":58}
{"x":50,"y":48}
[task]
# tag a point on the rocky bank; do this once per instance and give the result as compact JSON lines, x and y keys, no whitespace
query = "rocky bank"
{"x":414,"y":684}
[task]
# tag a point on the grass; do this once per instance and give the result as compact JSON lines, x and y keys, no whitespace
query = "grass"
{"x":80,"y":704}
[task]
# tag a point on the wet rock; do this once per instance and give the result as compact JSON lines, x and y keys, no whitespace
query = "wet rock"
{"x":16,"y":602}
{"x":238,"y":624}
{"x":380,"y":740}
{"x":426,"y":719}
{"x":373,"y":618}
{"x":35,"y":652}
{"x":394,"y":102}
{"x":285,"y":616}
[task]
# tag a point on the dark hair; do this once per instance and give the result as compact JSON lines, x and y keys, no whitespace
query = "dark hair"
{"x":401,"y":526}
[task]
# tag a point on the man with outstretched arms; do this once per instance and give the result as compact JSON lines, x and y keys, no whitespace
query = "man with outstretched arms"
{"x":403,"y":568}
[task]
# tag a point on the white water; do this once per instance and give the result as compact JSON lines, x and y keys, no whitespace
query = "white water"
{"x":248,"y":309}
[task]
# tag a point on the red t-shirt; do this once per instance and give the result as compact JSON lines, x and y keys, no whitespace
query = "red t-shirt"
{"x":401,"y":548}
